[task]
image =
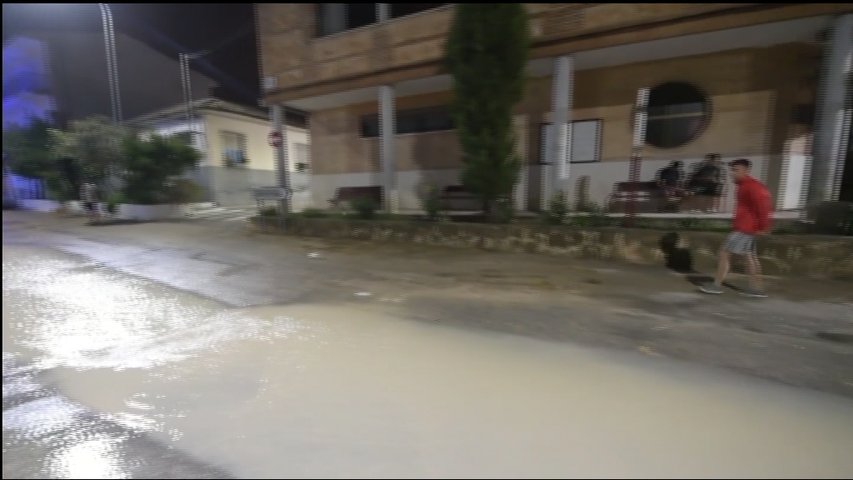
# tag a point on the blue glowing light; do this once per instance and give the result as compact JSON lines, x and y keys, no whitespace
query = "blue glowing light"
{"x":26,"y":83}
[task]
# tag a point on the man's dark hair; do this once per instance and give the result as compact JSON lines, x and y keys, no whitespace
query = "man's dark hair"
{"x":741,"y":161}
{"x":676,"y":164}
{"x":712,"y":156}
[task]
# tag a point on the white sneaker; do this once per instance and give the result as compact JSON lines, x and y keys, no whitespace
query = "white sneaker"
{"x":711,"y":289}
{"x":752,"y":292}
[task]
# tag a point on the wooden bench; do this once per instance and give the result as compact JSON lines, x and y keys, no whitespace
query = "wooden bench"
{"x":649,"y":197}
{"x":456,"y":197}
{"x":348,"y":194}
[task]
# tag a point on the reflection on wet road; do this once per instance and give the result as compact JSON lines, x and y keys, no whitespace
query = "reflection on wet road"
{"x":107,"y":375}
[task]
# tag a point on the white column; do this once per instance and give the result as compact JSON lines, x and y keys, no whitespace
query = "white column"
{"x":387,"y":129}
{"x":383,"y":12}
{"x":520,"y":129}
{"x":833,"y":114}
{"x":561,"y":142}
{"x":278,"y":119}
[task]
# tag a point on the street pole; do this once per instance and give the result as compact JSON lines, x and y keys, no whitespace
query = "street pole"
{"x":182,"y":60}
{"x":278,"y":118}
{"x":186,"y":81}
{"x":189,"y":112}
{"x":640,"y":119}
{"x":112,"y":62}
{"x":112,"y":79}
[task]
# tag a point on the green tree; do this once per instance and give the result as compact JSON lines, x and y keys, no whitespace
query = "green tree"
{"x":486,"y":52}
{"x":151,"y":165}
{"x":28,"y":150}
{"x":96,"y":143}
{"x":29,"y":153}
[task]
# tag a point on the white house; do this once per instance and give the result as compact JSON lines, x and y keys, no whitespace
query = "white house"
{"x":236,"y":155}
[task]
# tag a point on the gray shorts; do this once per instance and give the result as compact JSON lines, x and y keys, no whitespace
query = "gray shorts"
{"x":740,"y":243}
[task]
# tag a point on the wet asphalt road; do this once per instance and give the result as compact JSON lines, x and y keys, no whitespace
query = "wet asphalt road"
{"x":61,"y":422}
{"x":802,"y":335}
{"x":46,"y":435}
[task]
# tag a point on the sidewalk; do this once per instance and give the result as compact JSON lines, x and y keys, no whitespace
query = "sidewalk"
{"x":221,"y":214}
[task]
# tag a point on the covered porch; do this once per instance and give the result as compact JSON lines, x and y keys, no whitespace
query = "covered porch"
{"x":582,"y":94}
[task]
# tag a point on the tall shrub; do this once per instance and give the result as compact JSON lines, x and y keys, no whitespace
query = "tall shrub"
{"x":486,"y":52}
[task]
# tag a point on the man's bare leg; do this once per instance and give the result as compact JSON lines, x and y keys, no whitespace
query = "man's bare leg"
{"x":722,"y":267}
{"x":753,"y":267}
{"x":716,"y":288}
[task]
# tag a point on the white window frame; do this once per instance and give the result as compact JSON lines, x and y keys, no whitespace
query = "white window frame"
{"x":241,"y":145}
{"x":579,"y":153}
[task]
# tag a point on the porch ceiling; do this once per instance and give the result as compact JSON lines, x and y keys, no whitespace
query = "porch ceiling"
{"x":799,"y":30}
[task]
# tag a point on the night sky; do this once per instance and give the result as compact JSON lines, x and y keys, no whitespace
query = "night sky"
{"x":227,"y":29}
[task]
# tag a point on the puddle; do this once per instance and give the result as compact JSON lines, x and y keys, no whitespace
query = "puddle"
{"x":356,"y":391}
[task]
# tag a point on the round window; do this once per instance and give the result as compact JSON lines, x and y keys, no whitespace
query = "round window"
{"x":677,"y":114}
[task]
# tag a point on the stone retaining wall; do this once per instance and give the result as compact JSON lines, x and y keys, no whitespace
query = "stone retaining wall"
{"x":808,"y":256}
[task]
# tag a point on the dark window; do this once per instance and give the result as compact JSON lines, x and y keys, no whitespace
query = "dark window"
{"x":338,"y":17}
{"x":803,"y":115}
{"x":370,"y":126}
{"x":422,"y":120}
{"x":677,"y":114}
{"x":296,"y":118}
{"x":360,"y":14}
{"x":403,"y":9}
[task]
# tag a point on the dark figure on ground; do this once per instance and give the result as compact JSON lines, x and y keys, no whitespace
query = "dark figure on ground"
{"x":678,"y":259}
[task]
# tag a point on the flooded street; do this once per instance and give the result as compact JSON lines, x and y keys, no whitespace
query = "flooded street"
{"x":399,"y":240}
{"x":108,"y":375}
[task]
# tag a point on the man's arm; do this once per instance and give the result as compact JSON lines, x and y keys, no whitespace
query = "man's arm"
{"x":761,"y":208}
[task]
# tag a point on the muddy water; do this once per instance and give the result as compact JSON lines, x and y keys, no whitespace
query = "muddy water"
{"x":353,"y":389}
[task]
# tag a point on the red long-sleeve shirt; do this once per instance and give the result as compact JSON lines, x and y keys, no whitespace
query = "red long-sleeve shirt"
{"x":753,"y":207}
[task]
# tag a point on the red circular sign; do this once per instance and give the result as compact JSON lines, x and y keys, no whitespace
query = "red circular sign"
{"x":274,"y":138}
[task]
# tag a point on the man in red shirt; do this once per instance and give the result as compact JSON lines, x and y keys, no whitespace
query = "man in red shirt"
{"x":752,"y":218}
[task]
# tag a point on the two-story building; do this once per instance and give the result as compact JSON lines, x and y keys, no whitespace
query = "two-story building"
{"x":767,"y":82}
{"x":236,"y":157}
